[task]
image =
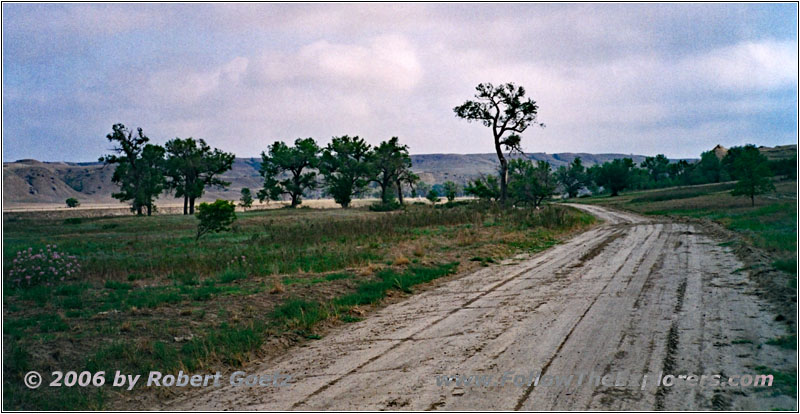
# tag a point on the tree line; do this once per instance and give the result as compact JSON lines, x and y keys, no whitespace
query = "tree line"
{"x":343,"y":169}
{"x":187,"y":167}
{"x":531,"y":183}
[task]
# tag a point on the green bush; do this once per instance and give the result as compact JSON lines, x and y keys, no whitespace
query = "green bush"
{"x":390,"y":205}
{"x":215,"y":217}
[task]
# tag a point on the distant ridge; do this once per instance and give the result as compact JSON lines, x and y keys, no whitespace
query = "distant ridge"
{"x":30,"y":181}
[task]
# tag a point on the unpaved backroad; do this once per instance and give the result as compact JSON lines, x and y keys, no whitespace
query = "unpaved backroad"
{"x":632,"y":296}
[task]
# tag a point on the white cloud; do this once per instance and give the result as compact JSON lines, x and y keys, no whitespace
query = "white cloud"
{"x":748,"y":65}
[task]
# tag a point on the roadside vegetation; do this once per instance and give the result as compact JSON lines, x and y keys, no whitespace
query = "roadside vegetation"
{"x":147,"y":296}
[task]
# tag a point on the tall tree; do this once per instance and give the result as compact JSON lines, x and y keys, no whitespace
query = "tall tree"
{"x":292,"y":161}
{"x":485,"y":188}
{"x":450,"y":190}
{"x":614,"y":176}
{"x":192,"y":166}
{"x":344,"y":168}
{"x":389,"y":161}
{"x":529,"y":183}
{"x":509,"y":113}
{"x":572,"y":177}
{"x":708,"y":169}
{"x":657,"y":167}
{"x":139,"y":171}
{"x":246,"y":201}
{"x":751,"y":168}
{"x":405,"y":177}
{"x":678,"y":171}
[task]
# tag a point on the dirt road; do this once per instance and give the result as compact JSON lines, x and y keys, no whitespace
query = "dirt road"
{"x":633,"y":296}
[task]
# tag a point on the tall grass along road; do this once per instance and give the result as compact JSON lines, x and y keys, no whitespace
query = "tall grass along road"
{"x":634,"y":295}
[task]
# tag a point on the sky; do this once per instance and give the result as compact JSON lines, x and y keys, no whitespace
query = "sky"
{"x":628,"y":78}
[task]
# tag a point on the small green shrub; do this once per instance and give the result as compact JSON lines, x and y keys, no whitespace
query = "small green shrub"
{"x":390,"y":205}
{"x":215,"y":217}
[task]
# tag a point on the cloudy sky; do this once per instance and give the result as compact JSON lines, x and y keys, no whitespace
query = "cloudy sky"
{"x":629,"y":78}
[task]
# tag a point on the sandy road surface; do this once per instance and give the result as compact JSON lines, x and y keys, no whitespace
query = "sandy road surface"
{"x":631,"y":296}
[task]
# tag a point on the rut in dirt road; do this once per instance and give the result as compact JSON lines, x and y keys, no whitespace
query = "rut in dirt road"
{"x":631,"y":296}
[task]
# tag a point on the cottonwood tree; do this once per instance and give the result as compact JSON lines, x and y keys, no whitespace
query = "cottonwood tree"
{"x":614,"y":176}
{"x":485,"y":188}
{"x":433,"y":196}
{"x":708,"y":169}
{"x":296,"y":162}
{"x":531,"y":184}
{"x":389,"y":161}
{"x":345,"y":169}
{"x":192,"y":166}
{"x":572,"y":177}
{"x":506,"y":110}
{"x":406,"y":177}
{"x":657,"y":167}
{"x":450,"y":190}
{"x":751,"y":168}
{"x":246,"y":201}
{"x":140,"y":168}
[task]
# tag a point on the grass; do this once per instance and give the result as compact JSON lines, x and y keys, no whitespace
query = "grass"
{"x":149,"y":297}
{"x":785,"y":342}
{"x":783,"y":382}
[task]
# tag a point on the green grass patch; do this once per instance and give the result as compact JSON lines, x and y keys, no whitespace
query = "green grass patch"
{"x":785,"y":342}
{"x":373,"y":291}
{"x":786,"y":265}
{"x":299,"y":313}
{"x":783,"y":382}
{"x":231,"y":275}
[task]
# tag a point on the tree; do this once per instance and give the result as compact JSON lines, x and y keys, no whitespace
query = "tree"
{"x":345,"y":169}
{"x":751,"y":167}
{"x":614,"y":176}
{"x":421,"y":189}
{"x":509,"y":113}
{"x":246,"y":201}
{"x":388,"y":163}
{"x":786,"y":167}
{"x":485,"y":188}
{"x":433,"y":196}
{"x":294,"y":161}
{"x":73,"y":202}
{"x":215,"y":217}
{"x":192,"y":166}
{"x":572,"y":177}
{"x":450,"y":190}
{"x":708,"y":169}
{"x":657,"y":167}
{"x":406,"y":177}
{"x":529,"y":183}
{"x":140,"y":168}
{"x":678,"y":171}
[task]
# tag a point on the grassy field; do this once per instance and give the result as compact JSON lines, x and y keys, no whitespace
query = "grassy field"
{"x":148,"y":297}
